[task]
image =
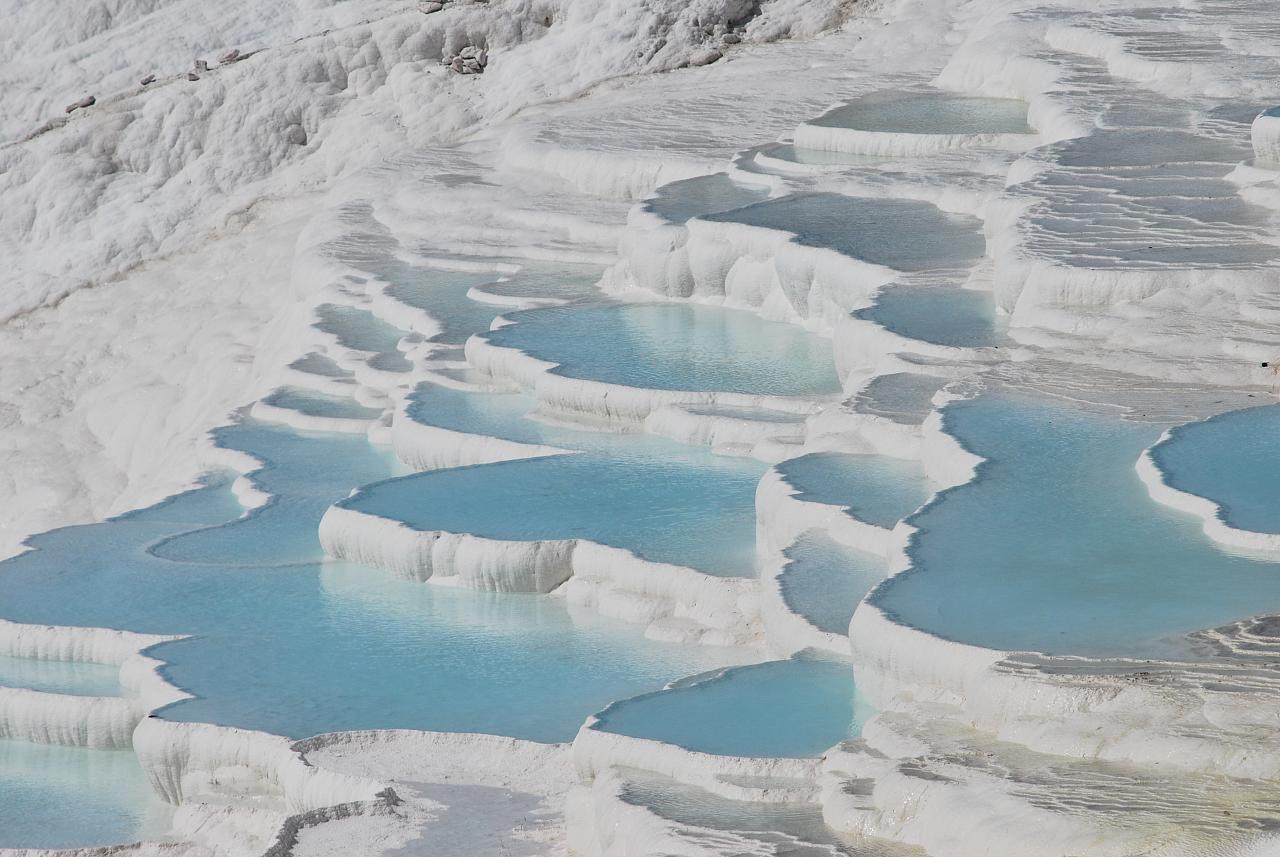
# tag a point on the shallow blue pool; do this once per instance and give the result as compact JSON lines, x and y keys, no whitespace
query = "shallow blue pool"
{"x":905,"y":235}
{"x":675,"y":347}
{"x":662,"y":500}
{"x":929,"y":113}
{"x":290,"y":644}
{"x":1232,"y":459}
{"x":72,"y":677}
{"x":67,"y":797}
{"x":876,"y":489}
{"x":793,"y":708}
{"x":903,"y":397}
{"x":678,"y":201}
{"x":316,"y":404}
{"x":361,"y":330}
{"x":1057,"y":546}
{"x":824,"y":581}
{"x":961,"y":318}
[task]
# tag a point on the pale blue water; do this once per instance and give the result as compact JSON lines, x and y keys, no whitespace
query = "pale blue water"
{"x":905,"y":235}
{"x":319,"y":364}
{"x":1271,"y":111}
{"x":317,"y":404}
{"x":361,"y":330}
{"x":903,"y":397}
{"x":675,"y":347}
{"x":664,"y":501}
{"x":963,"y":318}
{"x":287,"y":643}
{"x":73,"y":677}
{"x":1057,"y":546}
{"x":678,"y":201}
{"x":1232,"y":459}
{"x":824,"y":580}
{"x":876,"y":489}
{"x":929,"y":113}
{"x":560,"y":280}
{"x":68,"y":797}
{"x":793,"y":708}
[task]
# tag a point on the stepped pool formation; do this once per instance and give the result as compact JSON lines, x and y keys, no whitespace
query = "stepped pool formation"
{"x":430,"y":429}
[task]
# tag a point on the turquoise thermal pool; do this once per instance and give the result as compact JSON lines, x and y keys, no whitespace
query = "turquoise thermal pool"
{"x":1232,"y":459}
{"x":1056,"y":546}
{"x":793,"y":708}
{"x":675,"y":347}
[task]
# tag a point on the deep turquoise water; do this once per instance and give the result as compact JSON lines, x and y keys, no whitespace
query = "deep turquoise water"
{"x":1057,"y":546}
{"x":1232,"y":459}
{"x":793,"y":708}
{"x":675,"y":347}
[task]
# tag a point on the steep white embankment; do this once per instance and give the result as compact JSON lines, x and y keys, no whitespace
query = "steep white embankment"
{"x":672,"y":602}
{"x":746,"y":266}
{"x":100,"y":722}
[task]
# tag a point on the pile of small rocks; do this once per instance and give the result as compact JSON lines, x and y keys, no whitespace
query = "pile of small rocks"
{"x":469,"y":60}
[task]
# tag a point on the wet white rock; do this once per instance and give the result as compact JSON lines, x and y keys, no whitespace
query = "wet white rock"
{"x":230,"y":56}
{"x":430,"y":7}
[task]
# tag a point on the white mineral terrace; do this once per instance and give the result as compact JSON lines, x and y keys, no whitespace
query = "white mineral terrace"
{"x":804,"y":427}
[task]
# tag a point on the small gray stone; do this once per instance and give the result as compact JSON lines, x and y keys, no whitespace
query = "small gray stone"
{"x":430,"y":7}
{"x":201,"y":65}
{"x":705,"y":57}
{"x":149,"y":79}
{"x":469,"y":52}
{"x":191,"y":75}
{"x":87,"y":101}
{"x":230,"y":56}
{"x":731,"y":38}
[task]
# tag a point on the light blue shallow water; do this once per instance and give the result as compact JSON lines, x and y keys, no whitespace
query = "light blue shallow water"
{"x":675,"y":347}
{"x":905,"y":235}
{"x":305,"y":646}
{"x":443,"y":295}
{"x":1232,"y":459}
{"x":79,"y":679}
{"x":361,"y":330}
{"x":873,"y":488}
{"x":903,"y":397}
{"x":67,"y":797}
{"x":824,"y":580}
{"x":664,"y":501}
{"x":678,"y":201}
{"x":317,"y":404}
{"x":1057,"y":546}
{"x":793,"y":708}
{"x":929,"y":113}
{"x":962,"y":318}
{"x":559,"y":280}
